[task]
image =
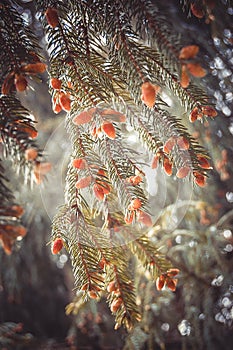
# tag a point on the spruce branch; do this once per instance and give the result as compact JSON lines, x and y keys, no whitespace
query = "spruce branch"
{"x":149,"y":255}
{"x":156,"y":28}
{"x":20,"y":55}
{"x":121,"y":298}
{"x":169,"y":126}
{"x":83,"y":150}
{"x":166,"y":137}
{"x":19,"y":58}
{"x":119,"y":169}
{"x":139,"y":62}
{"x":73,"y":228}
{"x":95,"y":260}
{"x":86,"y":65}
{"x":18,"y":134}
{"x":99,"y":66}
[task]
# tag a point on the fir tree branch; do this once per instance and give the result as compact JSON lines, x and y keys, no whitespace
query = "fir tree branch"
{"x":18,"y":133}
{"x":119,"y":169}
{"x":122,"y":300}
{"x":156,"y":27}
{"x":155,"y":127}
{"x":19,"y":45}
{"x":148,"y":254}
{"x":72,"y":227}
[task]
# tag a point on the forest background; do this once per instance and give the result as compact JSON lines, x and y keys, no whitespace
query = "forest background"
{"x":105,"y":54}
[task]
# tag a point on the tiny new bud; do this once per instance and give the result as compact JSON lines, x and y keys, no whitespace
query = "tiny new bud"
{"x":194,"y":115}
{"x":33,"y":68}
{"x":172,"y":272}
{"x":199,"y":179}
{"x":183,"y":143}
{"x":196,"y":70}
{"x":79,"y":163}
{"x":30,"y":154}
{"x":169,"y":144}
{"x":160,"y":281}
{"x":55,"y":83}
{"x":203,"y":162}
{"x":144,"y":218}
{"x":184,"y":79}
{"x":109,"y":130}
{"x":189,"y":51}
{"x":83,"y":118}
{"x":129,"y":218}
{"x":116,"y":305}
{"x":65,"y":102}
{"x":57,"y":245}
{"x":92,"y":294}
{"x":197,"y":10}
{"x":98,"y":192}
{"x":171,"y":284}
{"x":155,"y":161}
{"x":20,"y":83}
{"x":167,"y":166}
{"x":209,"y":111}
{"x":135,"y":204}
{"x":112,"y":287}
{"x":52,"y":17}
{"x":149,"y":93}
{"x":183,"y":172}
{"x":84,"y":182}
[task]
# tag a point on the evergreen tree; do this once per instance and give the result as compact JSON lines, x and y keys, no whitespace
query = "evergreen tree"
{"x":145,"y":101}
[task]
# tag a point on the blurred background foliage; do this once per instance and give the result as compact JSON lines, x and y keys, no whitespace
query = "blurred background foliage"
{"x":36,"y":287}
